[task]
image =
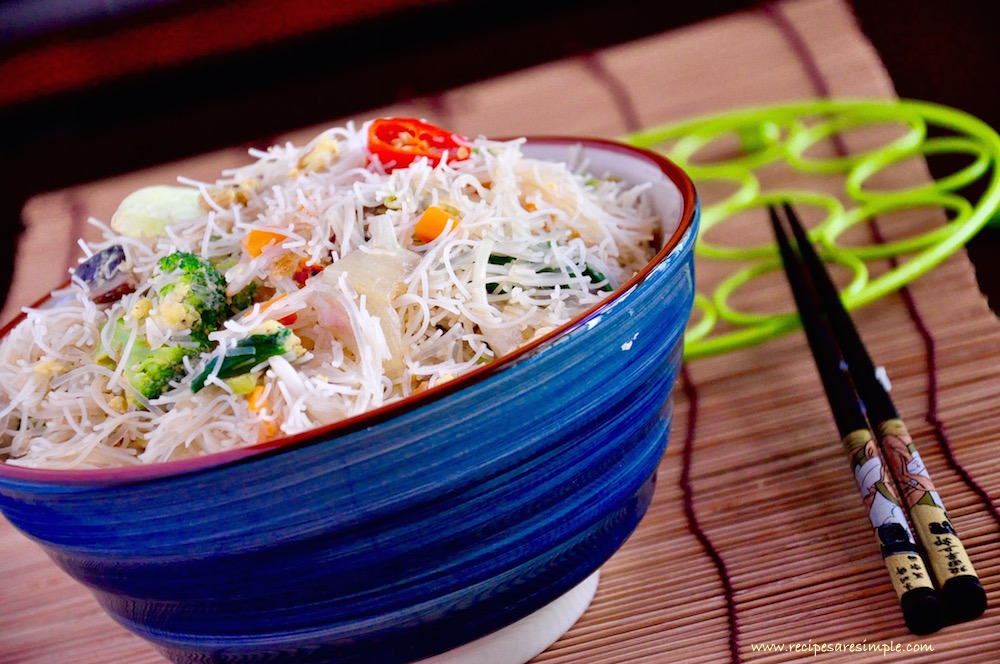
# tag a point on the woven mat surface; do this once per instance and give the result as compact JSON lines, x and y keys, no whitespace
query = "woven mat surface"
{"x":756,"y":539}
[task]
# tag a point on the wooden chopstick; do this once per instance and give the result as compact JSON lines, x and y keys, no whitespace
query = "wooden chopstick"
{"x":918,"y":600}
{"x":961,"y":590}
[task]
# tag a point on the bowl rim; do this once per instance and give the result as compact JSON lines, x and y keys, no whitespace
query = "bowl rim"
{"x":120,"y":475}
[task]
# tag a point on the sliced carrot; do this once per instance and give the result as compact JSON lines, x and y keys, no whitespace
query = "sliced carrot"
{"x":274,"y":299}
{"x":284,"y":320}
{"x":255,"y":241}
{"x":268,"y":429}
{"x":256,"y":399}
{"x":432,"y":223}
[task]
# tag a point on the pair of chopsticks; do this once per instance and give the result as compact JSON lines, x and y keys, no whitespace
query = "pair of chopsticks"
{"x":884,"y":459}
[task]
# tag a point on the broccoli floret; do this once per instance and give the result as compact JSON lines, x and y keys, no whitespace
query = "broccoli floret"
{"x":269,"y":339}
{"x":148,"y":370}
{"x":244,"y":299}
{"x":190,"y":294}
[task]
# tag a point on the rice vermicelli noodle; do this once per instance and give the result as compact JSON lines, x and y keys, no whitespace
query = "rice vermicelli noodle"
{"x":314,"y":284}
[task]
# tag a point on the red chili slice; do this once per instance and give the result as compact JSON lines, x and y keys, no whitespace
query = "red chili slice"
{"x":397,"y":142}
{"x":305,"y":271}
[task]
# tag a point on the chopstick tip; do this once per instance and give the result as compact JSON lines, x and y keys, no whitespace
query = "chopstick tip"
{"x":964,"y":598}
{"x":921,"y":611}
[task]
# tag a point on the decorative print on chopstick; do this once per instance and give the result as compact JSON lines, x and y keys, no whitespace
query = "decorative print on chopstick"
{"x":961,"y":589}
{"x":899,"y":550}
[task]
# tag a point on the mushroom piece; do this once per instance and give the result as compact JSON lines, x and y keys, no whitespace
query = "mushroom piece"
{"x":105,"y":275}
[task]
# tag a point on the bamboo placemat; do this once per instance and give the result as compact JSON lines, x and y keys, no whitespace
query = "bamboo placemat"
{"x":756,"y":539}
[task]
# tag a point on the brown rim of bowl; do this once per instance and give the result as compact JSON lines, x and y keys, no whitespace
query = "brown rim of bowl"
{"x":130,"y":474}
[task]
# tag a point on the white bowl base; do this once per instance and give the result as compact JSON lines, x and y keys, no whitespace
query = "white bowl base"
{"x":519,"y":642}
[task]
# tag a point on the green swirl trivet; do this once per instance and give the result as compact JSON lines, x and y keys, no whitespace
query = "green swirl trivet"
{"x":783,"y":134}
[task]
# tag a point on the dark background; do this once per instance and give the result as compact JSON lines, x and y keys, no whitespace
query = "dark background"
{"x":949,"y":53}
{"x":944,"y":52}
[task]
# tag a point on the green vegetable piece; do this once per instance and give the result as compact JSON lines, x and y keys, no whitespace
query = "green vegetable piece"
{"x":187,"y":291}
{"x":200,"y":289}
{"x":244,"y":299}
{"x":271,"y":339}
{"x":595,"y":276}
{"x":243,"y":383}
{"x":499,"y":259}
{"x":148,"y":370}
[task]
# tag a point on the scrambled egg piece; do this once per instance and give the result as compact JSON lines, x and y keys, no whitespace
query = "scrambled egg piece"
{"x":319,"y":158}
{"x":171,"y":312}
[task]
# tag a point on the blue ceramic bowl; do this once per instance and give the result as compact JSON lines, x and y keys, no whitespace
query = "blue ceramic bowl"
{"x":412,"y":529}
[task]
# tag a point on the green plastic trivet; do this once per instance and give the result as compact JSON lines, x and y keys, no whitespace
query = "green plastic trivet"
{"x":785,"y":133}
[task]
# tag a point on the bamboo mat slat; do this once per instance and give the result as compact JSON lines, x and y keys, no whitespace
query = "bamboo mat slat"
{"x":768,"y":485}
